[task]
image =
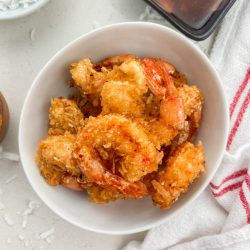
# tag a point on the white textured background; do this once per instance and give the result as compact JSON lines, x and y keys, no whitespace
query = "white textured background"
{"x":21,"y":57}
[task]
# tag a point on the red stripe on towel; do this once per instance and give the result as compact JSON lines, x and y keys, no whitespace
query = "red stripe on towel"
{"x":230,"y":177}
{"x":239,"y":92}
{"x":247,"y":180}
{"x":238,"y":120}
{"x":245,"y":205}
{"x":228,"y":189}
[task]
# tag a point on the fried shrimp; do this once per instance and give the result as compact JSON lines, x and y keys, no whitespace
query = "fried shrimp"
{"x":88,"y":80}
{"x":129,"y":143}
{"x":121,"y":98}
{"x":192,"y":99}
{"x":182,"y":168}
{"x":91,"y":165}
{"x":54,"y":156}
{"x":161,"y":84}
{"x":64,"y":115}
{"x":101,"y":195}
{"x":127,"y":132}
{"x":134,"y":74}
{"x":161,"y":133}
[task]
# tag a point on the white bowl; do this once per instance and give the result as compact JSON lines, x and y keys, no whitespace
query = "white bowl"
{"x":142,"y":39}
{"x":20,"y":12}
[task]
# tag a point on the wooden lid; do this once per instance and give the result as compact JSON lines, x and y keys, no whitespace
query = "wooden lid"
{"x":4,"y":117}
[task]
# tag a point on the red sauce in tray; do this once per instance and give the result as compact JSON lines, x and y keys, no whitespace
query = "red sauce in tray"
{"x":194,"y":13}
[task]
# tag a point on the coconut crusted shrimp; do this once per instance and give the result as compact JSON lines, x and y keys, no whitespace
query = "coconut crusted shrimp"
{"x":124,"y":93}
{"x":112,"y":145}
{"x":54,"y":153}
{"x":91,"y":165}
{"x":164,"y":110}
{"x":139,"y":113}
{"x":101,"y":195}
{"x":88,"y":80}
{"x":179,"y":105}
{"x":193,"y":102}
{"x":64,"y":115}
{"x":115,"y":137}
{"x":122,"y":98}
{"x":182,"y":168}
{"x":161,"y":84}
{"x":57,"y":166}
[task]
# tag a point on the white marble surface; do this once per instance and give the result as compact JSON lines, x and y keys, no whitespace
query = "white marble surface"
{"x":22,"y":55}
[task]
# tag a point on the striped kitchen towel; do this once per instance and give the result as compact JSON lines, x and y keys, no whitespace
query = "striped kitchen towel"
{"x":220,"y":217}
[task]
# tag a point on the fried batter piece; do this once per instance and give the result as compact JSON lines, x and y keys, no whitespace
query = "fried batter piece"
{"x":162,"y":133}
{"x":182,"y":168}
{"x":121,"y":98}
{"x":101,"y":195}
{"x":88,"y":80}
{"x":134,"y":74}
{"x":193,"y":101}
{"x":192,"y":98}
{"x":179,"y":79}
{"x":56,"y":162}
{"x":94,"y":169}
{"x":64,"y":115}
{"x":114,"y":136}
{"x":54,"y":156}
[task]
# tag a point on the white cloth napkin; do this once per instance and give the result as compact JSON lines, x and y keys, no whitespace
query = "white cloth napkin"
{"x":220,"y":217}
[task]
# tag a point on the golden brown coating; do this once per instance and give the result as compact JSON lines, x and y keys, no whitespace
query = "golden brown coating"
{"x":179,"y":79}
{"x":112,"y":61}
{"x":64,"y":115}
{"x":54,"y":157}
{"x":94,"y":169}
{"x":161,"y":133}
{"x":87,"y":80}
{"x":192,"y":98}
{"x":152,"y":106}
{"x":182,"y":168}
{"x":193,"y":101}
{"x":101,"y":195}
{"x":116,"y":137}
{"x":134,"y":74}
{"x":90,"y":82}
{"x":121,"y":98}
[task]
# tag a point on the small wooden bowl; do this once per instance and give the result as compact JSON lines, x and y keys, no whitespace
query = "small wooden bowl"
{"x":4,"y":117}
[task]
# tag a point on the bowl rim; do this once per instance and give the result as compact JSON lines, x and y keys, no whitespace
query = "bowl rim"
{"x":17,"y":13}
{"x":224,"y":136}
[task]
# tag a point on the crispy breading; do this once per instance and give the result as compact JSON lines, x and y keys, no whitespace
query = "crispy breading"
{"x":64,"y":115}
{"x":101,"y":195}
{"x":134,"y":74}
{"x":126,"y":140}
{"x":182,"y":168}
{"x":90,"y":82}
{"x":87,"y":80}
{"x":121,"y":98}
{"x":162,"y":133}
{"x":54,"y":157}
{"x":192,"y":98}
{"x":179,"y":79}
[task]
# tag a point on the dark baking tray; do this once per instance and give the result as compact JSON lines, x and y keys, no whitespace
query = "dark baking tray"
{"x":196,"y":34}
